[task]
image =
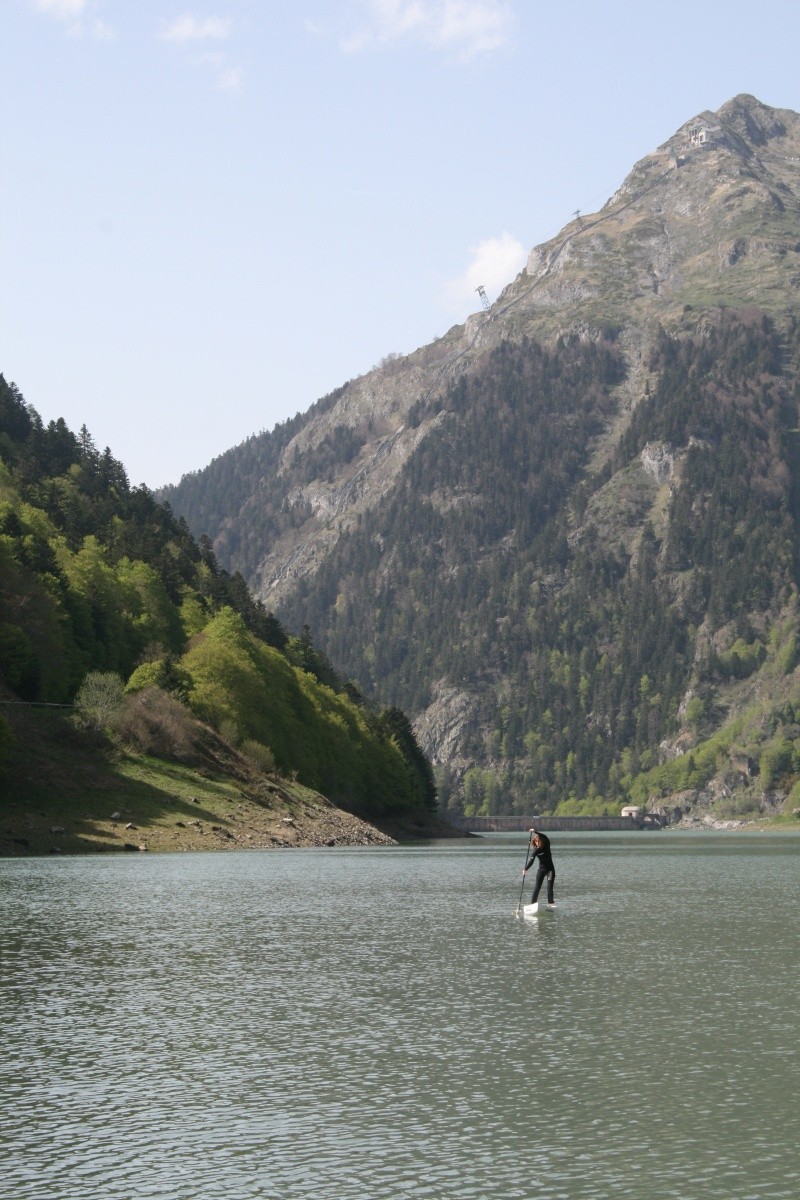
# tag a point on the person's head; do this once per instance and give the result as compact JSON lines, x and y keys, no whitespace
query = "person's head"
{"x":537,"y":841}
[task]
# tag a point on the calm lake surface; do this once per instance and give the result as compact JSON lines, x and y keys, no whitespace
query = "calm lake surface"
{"x":376,"y":1024}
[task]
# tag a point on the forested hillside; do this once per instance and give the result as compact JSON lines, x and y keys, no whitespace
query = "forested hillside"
{"x":106,"y":598}
{"x":596,"y":629}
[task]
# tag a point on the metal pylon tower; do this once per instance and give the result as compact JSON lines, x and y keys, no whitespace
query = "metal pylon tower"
{"x":481,"y":290}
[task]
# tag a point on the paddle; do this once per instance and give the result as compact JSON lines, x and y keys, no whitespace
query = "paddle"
{"x":522,"y":885}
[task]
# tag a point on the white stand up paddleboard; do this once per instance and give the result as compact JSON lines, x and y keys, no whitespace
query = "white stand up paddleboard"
{"x":535,"y":910}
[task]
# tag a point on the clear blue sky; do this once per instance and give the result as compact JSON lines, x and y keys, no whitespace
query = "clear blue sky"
{"x":215,"y":211}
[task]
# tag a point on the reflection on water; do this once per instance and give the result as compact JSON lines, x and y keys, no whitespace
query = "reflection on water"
{"x":375,"y":1023}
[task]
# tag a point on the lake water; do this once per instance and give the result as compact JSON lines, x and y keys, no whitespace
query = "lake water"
{"x":376,"y":1024}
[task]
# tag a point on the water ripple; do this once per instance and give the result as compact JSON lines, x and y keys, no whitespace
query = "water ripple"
{"x":352,"y":1024}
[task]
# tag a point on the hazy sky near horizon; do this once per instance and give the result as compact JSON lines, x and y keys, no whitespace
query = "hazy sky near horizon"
{"x":216,"y":211}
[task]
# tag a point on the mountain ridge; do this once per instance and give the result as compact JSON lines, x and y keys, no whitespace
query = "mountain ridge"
{"x":373,"y":406}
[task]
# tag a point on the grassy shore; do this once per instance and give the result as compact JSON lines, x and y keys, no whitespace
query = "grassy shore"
{"x":68,"y":792}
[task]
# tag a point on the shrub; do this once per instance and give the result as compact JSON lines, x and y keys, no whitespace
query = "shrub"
{"x":742,"y":659}
{"x":147,"y":675}
{"x":694,"y":712}
{"x":157,"y":724}
{"x":259,"y":755}
{"x":786,"y":658}
{"x":738,"y":806}
{"x":229,"y":730}
{"x":775,"y":761}
{"x":164,"y":674}
{"x":99,"y":699}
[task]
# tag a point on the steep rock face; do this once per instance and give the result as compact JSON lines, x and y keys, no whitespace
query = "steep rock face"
{"x":442,"y":726}
{"x":709,"y":222}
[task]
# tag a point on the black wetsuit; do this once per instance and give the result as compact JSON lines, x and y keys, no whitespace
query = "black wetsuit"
{"x":546,"y":869}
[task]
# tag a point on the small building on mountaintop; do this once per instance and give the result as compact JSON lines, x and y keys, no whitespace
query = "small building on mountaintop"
{"x":704,"y":135}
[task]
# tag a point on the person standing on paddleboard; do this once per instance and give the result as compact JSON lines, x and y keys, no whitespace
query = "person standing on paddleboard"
{"x":540,"y":849}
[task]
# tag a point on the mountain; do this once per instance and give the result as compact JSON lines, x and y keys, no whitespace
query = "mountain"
{"x":565,"y":535}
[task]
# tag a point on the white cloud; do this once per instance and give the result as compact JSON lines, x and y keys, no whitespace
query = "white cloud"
{"x":62,"y":10}
{"x":475,"y":27}
{"x":76,"y":14}
{"x":494,"y":264}
{"x":190,"y":28}
{"x":464,"y":28}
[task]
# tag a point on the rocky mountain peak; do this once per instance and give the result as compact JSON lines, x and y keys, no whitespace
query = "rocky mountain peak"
{"x":723,"y":192}
{"x":755,"y":123}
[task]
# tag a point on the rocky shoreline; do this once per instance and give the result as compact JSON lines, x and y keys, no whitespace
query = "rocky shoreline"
{"x":292,"y":819}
